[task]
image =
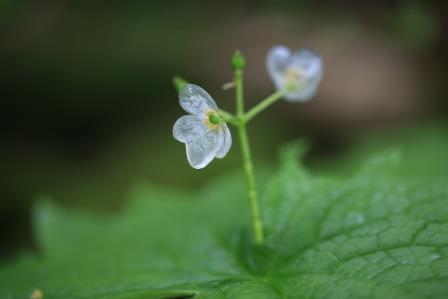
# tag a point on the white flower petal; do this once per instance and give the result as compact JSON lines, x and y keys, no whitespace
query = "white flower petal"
{"x":226,"y":142}
{"x":203,"y":141}
{"x":304,"y":67}
{"x":309,"y":65}
{"x":196,"y":100}
{"x":202,"y":150}
{"x":278,"y":60}
{"x":187,"y":128}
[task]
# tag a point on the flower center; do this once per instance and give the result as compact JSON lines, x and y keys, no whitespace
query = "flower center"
{"x":294,"y":78}
{"x":212,"y":120}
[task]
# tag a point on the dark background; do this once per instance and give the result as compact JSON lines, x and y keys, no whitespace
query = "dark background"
{"x":87,"y":104}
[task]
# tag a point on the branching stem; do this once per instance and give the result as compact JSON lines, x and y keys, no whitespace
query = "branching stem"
{"x":257,"y":225}
{"x":264,"y":104}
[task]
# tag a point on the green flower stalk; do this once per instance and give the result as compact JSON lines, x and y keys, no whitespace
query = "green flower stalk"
{"x":238,"y":64}
{"x":205,"y":133}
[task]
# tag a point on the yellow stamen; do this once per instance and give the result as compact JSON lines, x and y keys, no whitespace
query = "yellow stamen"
{"x":294,"y":78}
{"x":211,"y":114}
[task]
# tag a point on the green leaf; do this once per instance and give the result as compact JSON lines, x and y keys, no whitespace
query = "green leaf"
{"x":422,"y":151}
{"x":374,"y":235}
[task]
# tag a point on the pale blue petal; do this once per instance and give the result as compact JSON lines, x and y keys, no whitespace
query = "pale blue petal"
{"x":278,"y":60}
{"x":310,"y":67}
{"x":226,"y":142}
{"x":196,"y":100}
{"x":202,"y":150}
{"x":188,"y":127}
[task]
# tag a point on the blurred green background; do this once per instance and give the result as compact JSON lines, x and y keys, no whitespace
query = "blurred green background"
{"x":88,"y":105}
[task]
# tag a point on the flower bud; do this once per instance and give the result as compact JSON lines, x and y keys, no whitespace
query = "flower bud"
{"x":179,"y":82}
{"x":238,"y":61}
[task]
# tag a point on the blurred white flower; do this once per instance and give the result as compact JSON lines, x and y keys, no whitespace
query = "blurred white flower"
{"x":299,"y":72}
{"x":205,"y":135}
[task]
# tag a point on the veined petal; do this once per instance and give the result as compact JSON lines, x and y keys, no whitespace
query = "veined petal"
{"x":226,"y":142}
{"x":278,"y":60}
{"x":187,"y":128}
{"x":202,"y":150}
{"x":309,"y":65}
{"x":196,"y":100}
{"x":308,"y":62}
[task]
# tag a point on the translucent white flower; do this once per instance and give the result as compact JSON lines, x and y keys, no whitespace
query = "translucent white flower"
{"x":205,"y":135}
{"x":300,"y":72}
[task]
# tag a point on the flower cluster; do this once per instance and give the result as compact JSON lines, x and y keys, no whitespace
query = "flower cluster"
{"x":204,"y":131}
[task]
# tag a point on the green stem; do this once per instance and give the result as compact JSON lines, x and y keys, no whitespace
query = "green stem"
{"x":227,"y":117}
{"x":257,"y":225}
{"x":264,"y":104}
